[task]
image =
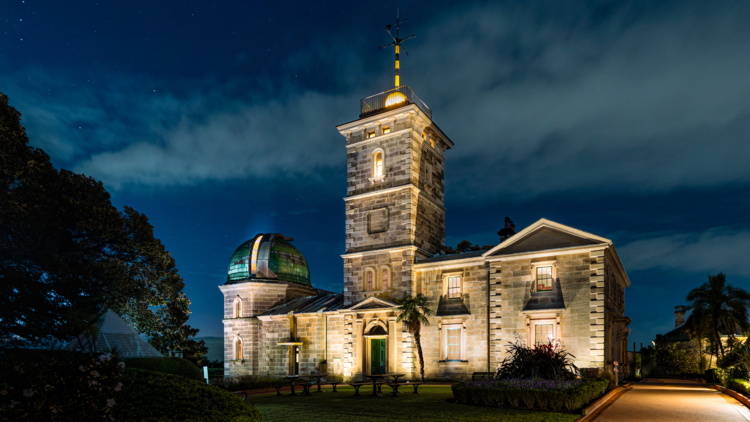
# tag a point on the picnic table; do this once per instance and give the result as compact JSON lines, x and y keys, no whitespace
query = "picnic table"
{"x":293,"y":378}
{"x":318,"y":377}
{"x":395,"y":376}
{"x":375,"y":378}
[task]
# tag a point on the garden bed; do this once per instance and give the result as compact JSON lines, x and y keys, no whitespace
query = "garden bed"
{"x":536,"y":394}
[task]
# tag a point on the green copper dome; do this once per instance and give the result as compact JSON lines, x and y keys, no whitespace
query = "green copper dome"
{"x":268,"y":256}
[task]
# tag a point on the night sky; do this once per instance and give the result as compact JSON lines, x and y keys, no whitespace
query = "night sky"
{"x":630,"y":120}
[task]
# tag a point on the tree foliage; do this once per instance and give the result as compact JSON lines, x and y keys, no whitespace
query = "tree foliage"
{"x":718,"y":308}
{"x":671,"y":359}
{"x":66,"y":250}
{"x":466,"y":246}
{"x":413,"y":312}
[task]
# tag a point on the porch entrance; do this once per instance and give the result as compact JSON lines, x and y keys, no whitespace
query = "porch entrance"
{"x":377,"y":356}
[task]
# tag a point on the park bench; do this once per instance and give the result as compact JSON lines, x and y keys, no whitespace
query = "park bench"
{"x":395,"y":385}
{"x":306,"y":387}
{"x":279,"y":386}
{"x":333,"y":383}
{"x":358,"y":384}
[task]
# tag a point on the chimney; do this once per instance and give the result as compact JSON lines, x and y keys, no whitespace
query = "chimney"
{"x":679,"y":315}
{"x":508,"y":231}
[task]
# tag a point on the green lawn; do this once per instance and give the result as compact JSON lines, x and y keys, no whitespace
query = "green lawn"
{"x":431,"y":405}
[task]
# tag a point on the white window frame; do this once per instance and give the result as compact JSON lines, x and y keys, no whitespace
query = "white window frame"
{"x":532,"y":323}
{"x":446,"y":283}
{"x":452,"y":325}
{"x":534,"y":267}
{"x":460,"y":286}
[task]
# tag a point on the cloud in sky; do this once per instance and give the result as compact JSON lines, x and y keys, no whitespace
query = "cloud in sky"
{"x":712,"y":251}
{"x":538,"y":100}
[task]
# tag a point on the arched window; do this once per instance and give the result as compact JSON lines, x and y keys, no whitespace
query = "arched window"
{"x":369,"y":281}
{"x":254,"y":256}
{"x":238,"y":308}
{"x":386,"y":279}
{"x":238,"y":350}
{"x":377,"y":170}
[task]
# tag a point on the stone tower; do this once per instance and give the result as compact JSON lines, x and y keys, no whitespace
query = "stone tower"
{"x":395,"y":192}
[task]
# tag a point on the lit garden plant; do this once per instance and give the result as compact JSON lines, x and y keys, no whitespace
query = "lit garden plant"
{"x":541,"y":377}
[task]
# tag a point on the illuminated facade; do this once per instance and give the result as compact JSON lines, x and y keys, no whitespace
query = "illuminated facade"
{"x":549,"y":281}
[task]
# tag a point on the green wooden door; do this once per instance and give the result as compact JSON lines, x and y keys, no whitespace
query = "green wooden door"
{"x":377,"y":356}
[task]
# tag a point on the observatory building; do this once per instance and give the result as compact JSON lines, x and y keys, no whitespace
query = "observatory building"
{"x":547,"y":282}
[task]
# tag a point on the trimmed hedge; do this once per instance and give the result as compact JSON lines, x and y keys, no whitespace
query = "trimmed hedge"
{"x":568,"y":400}
{"x":740,"y":386}
{"x":248,"y":382}
{"x":169,"y":365}
{"x":151,"y":396}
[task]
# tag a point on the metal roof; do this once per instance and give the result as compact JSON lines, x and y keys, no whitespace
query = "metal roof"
{"x":310,"y":304}
{"x":451,"y":257}
{"x":275,"y":258}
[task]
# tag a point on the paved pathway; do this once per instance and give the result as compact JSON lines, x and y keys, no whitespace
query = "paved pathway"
{"x":674,"y":400}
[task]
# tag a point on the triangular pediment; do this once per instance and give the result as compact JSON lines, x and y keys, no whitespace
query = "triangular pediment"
{"x":545,"y":235}
{"x":374,"y":303}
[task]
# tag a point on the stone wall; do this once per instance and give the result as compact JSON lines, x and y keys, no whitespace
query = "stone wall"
{"x":257,"y":297}
{"x":398,"y":261}
{"x":581,"y":321}
{"x":400,"y":227}
{"x":474,"y":298}
{"x":397,"y":163}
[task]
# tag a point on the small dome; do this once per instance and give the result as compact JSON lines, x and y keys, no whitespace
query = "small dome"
{"x":395,"y":98}
{"x":268,"y":256}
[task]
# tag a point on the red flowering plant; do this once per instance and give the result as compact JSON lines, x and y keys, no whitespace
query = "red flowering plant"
{"x":42,"y":385}
{"x":544,"y":361}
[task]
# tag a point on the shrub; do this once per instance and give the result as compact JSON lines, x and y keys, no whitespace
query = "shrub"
{"x":43,"y":385}
{"x":670,"y":359}
{"x":721,"y":376}
{"x":169,"y":365}
{"x":589,"y":373}
{"x":611,"y":380}
{"x":544,"y":395}
{"x":151,"y":396}
{"x":247,"y":382}
{"x":741,"y":386}
{"x":546,"y":361}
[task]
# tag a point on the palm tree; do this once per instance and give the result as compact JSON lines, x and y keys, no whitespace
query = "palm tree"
{"x":414,"y":313}
{"x":719,"y":307}
{"x":697,"y":326}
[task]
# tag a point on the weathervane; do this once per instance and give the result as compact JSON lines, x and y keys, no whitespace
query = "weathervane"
{"x":397,"y":42}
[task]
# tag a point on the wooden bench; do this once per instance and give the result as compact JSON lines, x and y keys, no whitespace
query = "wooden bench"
{"x":278,"y":388}
{"x":395,"y":385}
{"x":333,"y":383}
{"x":305,"y":385}
{"x":357,"y":384}
{"x":482,"y":375}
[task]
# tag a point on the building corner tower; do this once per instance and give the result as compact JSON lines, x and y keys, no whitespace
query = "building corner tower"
{"x":395,"y":194}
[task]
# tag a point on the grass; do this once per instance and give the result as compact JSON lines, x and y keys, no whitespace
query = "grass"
{"x":431,"y":405}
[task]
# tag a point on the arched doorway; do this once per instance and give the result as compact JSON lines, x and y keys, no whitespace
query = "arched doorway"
{"x":377,"y":350}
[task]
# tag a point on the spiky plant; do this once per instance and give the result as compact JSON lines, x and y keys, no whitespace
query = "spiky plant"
{"x":544,"y":361}
{"x":414,"y":311}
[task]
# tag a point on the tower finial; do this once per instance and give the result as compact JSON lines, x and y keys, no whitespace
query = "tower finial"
{"x":397,"y":42}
